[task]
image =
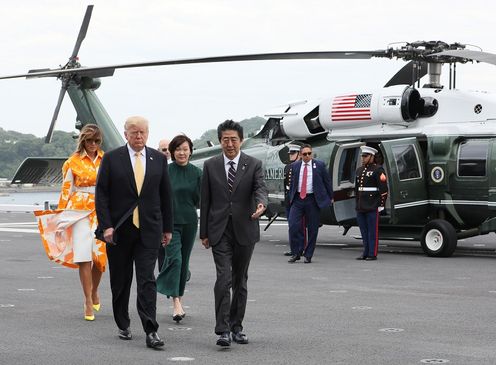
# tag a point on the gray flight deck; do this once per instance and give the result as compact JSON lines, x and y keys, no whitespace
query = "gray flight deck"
{"x":405,"y":308}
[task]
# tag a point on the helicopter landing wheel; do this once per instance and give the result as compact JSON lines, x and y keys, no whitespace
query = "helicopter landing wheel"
{"x":438,"y":238}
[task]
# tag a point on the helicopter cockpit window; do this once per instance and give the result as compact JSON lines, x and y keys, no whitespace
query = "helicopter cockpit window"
{"x":472,"y":158}
{"x":407,"y":162}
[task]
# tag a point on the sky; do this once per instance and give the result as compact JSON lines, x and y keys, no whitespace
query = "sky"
{"x":193,"y":98}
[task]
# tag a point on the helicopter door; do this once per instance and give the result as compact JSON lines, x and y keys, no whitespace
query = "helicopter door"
{"x":407,"y":183}
{"x":346,"y":160}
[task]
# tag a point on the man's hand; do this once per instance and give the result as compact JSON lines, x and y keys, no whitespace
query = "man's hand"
{"x":259,"y":211}
{"x":108,"y":234}
{"x":205,"y":243}
{"x":166,"y":238}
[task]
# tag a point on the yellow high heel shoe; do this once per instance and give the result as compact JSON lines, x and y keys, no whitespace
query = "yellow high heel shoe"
{"x":96,"y":307}
{"x":88,"y":317}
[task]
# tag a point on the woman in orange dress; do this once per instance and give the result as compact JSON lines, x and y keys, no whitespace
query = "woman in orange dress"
{"x":68,"y":232}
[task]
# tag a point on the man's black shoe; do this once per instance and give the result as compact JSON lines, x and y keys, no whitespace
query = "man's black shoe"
{"x":240,"y":338}
{"x":293,"y":259}
{"x":288,"y":253}
{"x":125,"y":334}
{"x":371,"y":258}
{"x":224,"y":340}
{"x":361,"y":258}
{"x":153,"y":341}
{"x":308,"y":260}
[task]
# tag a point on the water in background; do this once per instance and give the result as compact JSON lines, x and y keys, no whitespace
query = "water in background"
{"x":29,"y":198}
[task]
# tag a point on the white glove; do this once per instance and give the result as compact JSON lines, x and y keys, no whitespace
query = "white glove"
{"x":380,"y":209}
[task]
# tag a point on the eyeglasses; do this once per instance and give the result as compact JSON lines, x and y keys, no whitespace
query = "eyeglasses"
{"x":307,"y":154}
{"x":91,"y":140}
{"x":163,"y":149}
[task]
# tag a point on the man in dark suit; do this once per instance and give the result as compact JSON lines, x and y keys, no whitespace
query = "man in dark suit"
{"x":233,"y":197}
{"x":310,"y":192}
{"x":134,"y":208}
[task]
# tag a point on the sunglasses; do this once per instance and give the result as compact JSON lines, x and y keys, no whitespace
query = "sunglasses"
{"x":292,"y":152}
{"x":163,"y":149}
{"x":307,"y":153}
{"x":366,"y":154}
{"x":91,"y":140}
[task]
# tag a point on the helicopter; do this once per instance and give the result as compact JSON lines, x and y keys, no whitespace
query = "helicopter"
{"x":438,"y":144}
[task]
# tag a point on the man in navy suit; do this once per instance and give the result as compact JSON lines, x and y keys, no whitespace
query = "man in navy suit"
{"x":310,"y":192}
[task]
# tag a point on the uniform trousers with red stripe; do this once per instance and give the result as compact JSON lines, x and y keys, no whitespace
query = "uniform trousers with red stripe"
{"x":369,"y":226}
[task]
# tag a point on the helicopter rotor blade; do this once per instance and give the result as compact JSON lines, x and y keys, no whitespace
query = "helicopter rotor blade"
{"x":404,"y":75}
{"x":82,"y":31}
{"x":108,"y":70}
{"x":48,"y":138}
{"x":468,"y":55}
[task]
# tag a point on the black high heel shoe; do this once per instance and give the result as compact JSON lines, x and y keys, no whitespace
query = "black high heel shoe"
{"x":177,"y":318}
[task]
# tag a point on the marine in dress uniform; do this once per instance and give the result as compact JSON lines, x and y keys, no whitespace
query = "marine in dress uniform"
{"x":371,"y":192}
{"x":294,"y":155}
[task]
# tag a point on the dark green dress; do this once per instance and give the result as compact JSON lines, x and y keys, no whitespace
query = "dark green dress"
{"x":185,"y":182}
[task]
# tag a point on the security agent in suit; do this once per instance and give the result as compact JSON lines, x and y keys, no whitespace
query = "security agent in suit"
{"x":294,"y":155}
{"x":233,"y":197}
{"x":307,"y":197}
{"x":133,"y":192}
{"x":371,"y":192}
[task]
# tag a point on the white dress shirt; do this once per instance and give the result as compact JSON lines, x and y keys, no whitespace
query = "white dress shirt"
{"x":309,"y":176}
{"x":227,"y":166}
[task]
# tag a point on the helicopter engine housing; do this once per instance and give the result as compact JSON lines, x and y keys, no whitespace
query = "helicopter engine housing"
{"x":395,"y":104}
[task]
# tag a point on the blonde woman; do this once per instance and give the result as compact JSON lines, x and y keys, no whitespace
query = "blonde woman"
{"x":68,"y":232}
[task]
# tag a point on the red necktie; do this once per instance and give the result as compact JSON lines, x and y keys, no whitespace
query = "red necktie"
{"x":303,"y":190}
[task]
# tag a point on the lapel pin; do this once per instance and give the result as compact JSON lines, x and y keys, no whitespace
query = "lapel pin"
{"x":151,"y":158}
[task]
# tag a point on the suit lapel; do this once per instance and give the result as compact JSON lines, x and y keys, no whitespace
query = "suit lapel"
{"x":150,"y":164}
{"x":128,"y":167}
{"x":240,"y":171}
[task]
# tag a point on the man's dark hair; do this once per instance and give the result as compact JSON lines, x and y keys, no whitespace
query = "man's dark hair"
{"x":176,"y":142}
{"x":306,"y":145}
{"x":230,"y":125}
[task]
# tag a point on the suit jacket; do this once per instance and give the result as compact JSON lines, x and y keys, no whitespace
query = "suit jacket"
{"x":217,"y":204}
{"x":116,"y":194}
{"x":321,"y":180}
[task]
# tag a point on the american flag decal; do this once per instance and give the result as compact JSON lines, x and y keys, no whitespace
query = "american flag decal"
{"x":351,"y":107}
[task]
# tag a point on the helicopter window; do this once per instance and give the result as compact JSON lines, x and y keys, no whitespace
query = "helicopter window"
{"x":407,"y":162}
{"x":347,"y":166}
{"x":472,"y":158}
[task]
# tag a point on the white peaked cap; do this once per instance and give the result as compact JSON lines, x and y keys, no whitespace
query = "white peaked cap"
{"x":294,"y":147}
{"x":369,"y":150}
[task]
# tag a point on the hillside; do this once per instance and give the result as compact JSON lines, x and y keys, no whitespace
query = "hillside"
{"x":15,"y":146}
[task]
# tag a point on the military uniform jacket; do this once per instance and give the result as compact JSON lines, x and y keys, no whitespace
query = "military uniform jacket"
{"x":371,"y":188}
{"x":287,"y":183}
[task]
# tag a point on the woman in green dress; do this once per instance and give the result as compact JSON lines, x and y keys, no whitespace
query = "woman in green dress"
{"x":185,"y":180}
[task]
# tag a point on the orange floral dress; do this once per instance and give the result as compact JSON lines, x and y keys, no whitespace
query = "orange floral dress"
{"x":67,"y":233}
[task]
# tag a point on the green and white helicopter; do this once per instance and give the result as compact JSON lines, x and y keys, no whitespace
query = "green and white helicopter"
{"x":438,"y":143}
